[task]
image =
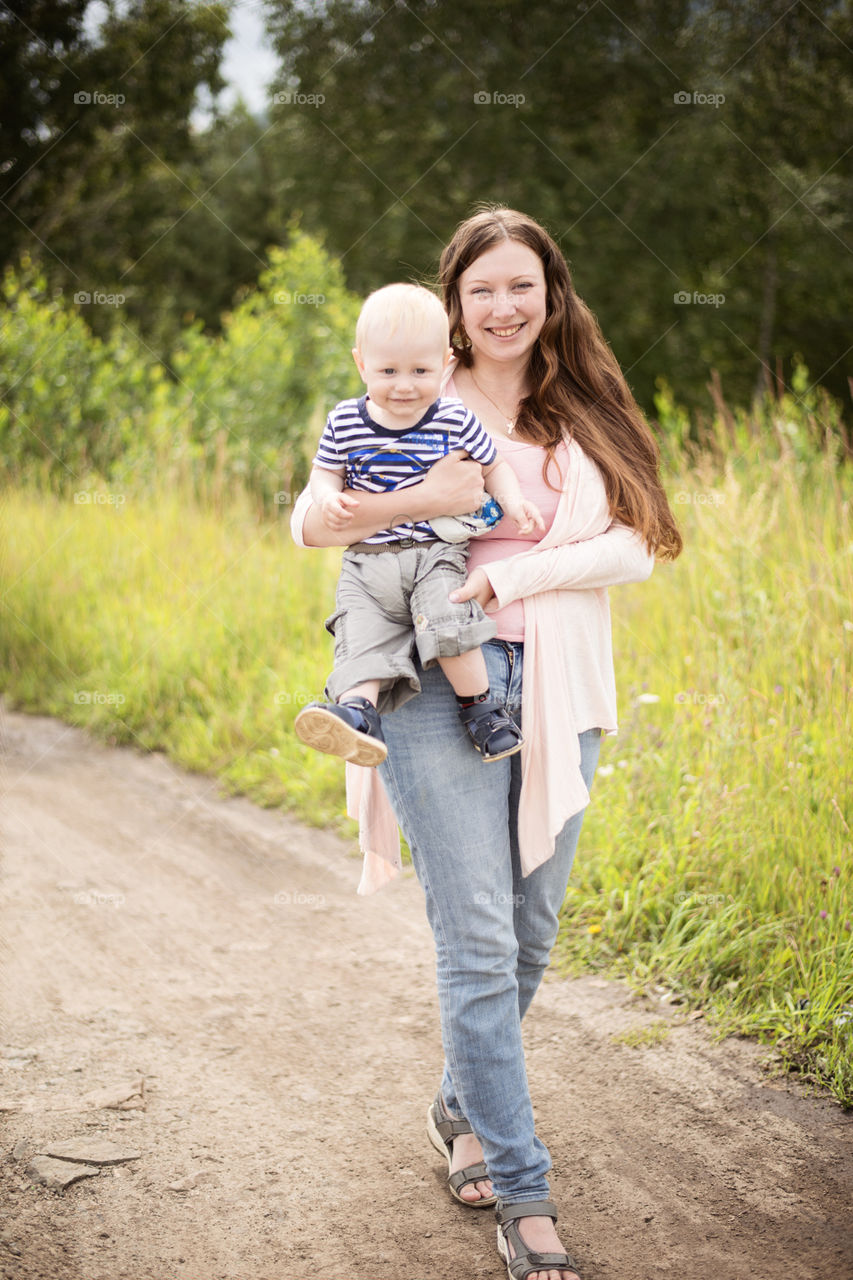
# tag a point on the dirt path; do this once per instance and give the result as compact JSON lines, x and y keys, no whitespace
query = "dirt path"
{"x":286,"y":1034}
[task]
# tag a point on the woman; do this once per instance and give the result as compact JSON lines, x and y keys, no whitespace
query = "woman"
{"x":493,"y":847}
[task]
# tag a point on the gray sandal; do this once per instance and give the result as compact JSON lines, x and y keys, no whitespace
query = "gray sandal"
{"x":526,"y":1261}
{"x":442,"y":1129}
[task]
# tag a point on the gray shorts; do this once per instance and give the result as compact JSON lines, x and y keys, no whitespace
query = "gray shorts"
{"x":390,"y":602}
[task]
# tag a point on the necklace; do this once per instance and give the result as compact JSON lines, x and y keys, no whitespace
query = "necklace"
{"x":510,"y":422}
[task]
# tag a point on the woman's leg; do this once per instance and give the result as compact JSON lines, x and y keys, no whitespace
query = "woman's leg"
{"x":538,"y":897}
{"x":455,"y":812}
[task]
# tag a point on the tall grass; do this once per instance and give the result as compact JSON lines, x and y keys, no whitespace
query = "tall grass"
{"x":716,"y":855}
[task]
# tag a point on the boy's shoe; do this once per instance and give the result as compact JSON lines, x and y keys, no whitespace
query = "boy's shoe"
{"x":492,"y":730}
{"x":350,"y":729}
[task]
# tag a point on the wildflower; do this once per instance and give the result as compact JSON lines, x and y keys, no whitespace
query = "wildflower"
{"x":836,"y":871}
{"x":824,"y":914}
{"x":777,"y":688}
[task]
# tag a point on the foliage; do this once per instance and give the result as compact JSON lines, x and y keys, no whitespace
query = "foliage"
{"x":74,"y":408}
{"x":100,"y":159}
{"x":679,"y":153}
{"x":700,"y":151}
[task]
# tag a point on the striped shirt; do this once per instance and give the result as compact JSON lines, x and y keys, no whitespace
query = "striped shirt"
{"x":378,"y":460}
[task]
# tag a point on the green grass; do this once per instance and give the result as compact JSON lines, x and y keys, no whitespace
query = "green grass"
{"x":161,"y":624}
{"x":716,"y":856}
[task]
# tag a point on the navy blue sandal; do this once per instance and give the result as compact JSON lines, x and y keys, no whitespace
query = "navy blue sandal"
{"x":351,"y":730}
{"x":492,"y":730}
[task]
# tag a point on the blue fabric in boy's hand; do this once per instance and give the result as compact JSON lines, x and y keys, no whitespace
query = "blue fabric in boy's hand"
{"x":461,"y":528}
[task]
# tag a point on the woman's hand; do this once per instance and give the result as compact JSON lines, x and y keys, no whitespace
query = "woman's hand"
{"x":452,"y":487}
{"x":475,"y":587}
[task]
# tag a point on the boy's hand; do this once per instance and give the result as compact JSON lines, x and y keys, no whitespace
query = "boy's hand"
{"x":337,"y":511}
{"x":525,"y":515}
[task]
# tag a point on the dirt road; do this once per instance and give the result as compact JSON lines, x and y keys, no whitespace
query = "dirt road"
{"x":274,"y":1038}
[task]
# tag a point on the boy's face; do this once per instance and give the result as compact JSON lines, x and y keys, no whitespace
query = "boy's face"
{"x":403,"y":375}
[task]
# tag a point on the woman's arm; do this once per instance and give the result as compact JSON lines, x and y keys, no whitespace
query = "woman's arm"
{"x":452,"y":487}
{"x":610,"y":559}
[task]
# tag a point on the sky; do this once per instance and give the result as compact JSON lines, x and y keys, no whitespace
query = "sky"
{"x":249,"y":64}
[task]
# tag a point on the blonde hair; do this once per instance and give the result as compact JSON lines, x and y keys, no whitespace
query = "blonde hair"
{"x":407,"y":310}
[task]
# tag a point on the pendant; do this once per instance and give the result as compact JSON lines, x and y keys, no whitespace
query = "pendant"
{"x":510,"y":427}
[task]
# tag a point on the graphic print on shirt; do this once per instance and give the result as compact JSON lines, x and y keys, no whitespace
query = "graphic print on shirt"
{"x":396,"y":464}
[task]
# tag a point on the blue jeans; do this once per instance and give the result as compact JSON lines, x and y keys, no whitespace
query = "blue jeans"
{"x":493,"y":928}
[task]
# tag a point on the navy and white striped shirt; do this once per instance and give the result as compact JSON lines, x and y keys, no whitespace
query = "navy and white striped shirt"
{"x":378,"y":459}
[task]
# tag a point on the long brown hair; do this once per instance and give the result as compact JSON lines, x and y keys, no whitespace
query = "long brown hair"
{"x":578,"y":387}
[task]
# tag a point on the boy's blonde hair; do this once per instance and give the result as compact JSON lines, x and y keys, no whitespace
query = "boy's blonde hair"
{"x":407,"y":310}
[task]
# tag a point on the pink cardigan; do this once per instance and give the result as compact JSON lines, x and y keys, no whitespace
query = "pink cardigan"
{"x":563,"y":583}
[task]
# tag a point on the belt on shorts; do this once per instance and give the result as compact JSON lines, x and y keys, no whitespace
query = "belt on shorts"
{"x":399,"y":544}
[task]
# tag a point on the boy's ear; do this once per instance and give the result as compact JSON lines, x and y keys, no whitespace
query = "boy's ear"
{"x":356,"y":355}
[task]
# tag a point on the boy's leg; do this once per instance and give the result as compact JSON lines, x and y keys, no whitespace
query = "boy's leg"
{"x":367,"y":689}
{"x":467,"y":673}
{"x":372,"y":630}
{"x":450,"y":634}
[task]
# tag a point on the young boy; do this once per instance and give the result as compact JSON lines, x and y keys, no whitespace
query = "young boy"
{"x":401,"y":577}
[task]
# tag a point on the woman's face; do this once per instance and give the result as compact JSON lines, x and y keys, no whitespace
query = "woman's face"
{"x":504,"y":299}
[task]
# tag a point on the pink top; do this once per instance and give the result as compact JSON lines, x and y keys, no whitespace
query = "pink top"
{"x":568,"y":682}
{"x":505,"y":540}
